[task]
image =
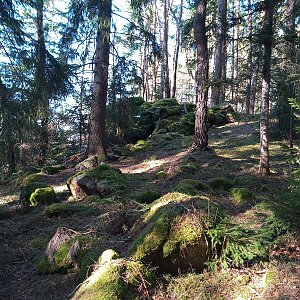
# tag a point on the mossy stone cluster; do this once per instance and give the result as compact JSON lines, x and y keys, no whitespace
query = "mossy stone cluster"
{"x":172,"y":235}
{"x":116,"y":278}
{"x":191,"y":187}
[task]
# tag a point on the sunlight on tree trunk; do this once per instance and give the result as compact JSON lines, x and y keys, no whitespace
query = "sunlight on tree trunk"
{"x":201,"y":136}
{"x":98,"y":104}
{"x":264,"y":167}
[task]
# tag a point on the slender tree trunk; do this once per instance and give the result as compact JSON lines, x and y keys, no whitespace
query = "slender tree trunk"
{"x":216,"y":97}
{"x":254,"y":76}
{"x":201,"y":136}
{"x":176,"y":52}
{"x":165,"y":66}
{"x":40,"y":82}
{"x":264,"y":166}
{"x":290,"y":49}
{"x":235,"y":90}
{"x":250,"y":57}
{"x":97,"y":144}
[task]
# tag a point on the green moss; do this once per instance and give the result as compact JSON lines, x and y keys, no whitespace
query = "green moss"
{"x":65,"y":210}
{"x":165,"y":102}
{"x":152,"y":239}
{"x":62,"y":259}
{"x":140,"y":145}
{"x":147,"y":197}
{"x":189,"y":167}
{"x":44,"y":195}
{"x":240,"y":195}
{"x":32,"y":178}
{"x":118,"y":279}
{"x":109,"y":179}
{"x":30,"y":190}
{"x":186,"y":229}
{"x":221,"y":183}
{"x":191,"y":187}
{"x":161,"y":175}
{"x":108,"y":256}
{"x":51,"y":170}
{"x":173,"y":222}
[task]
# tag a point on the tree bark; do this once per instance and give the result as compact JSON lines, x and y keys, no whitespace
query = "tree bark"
{"x":235,"y":55}
{"x":40,"y":81}
{"x":250,"y":57}
{"x":97,"y":144}
{"x":217,"y":95}
{"x":264,"y":166}
{"x":201,"y":136}
{"x":165,"y":66}
{"x":254,"y":76}
{"x":176,"y":52}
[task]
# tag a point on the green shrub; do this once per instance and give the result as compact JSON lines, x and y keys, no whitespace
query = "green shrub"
{"x":240,"y":195}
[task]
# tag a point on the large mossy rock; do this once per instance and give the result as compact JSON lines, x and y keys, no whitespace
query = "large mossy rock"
{"x":171,"y":235}
{"x":116,"y":278}
{"x":102,"y":180}
{"x":69,"y":250}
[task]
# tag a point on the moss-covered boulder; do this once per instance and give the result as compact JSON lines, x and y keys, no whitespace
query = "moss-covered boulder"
{"x":171,"y":235}
{"x":241,"y":195}
{"x":67,"y":250}
{"x":102,"y":180}
{"x":147,"y":197}
{"x":35,"y":193}
{"x":44,"y":195}
{"x":191,"y":187}
{"x":116,"y":278}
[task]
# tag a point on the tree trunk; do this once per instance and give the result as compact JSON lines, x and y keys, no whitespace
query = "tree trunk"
{"x":201,"y":136}
{"x":250,"y":57}
{"x":176,"y":52}
{"x":264,"y":167}
{"x":165,"y":66}
{"x":290,"y":32}
{"x":216,"y":97}
{"x":40,"y":81}
{"x":235,"y":51}
{"x":254,"y":76}
{"x":97,"y":144}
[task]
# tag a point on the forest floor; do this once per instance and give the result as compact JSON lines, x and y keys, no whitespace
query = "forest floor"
{"x":233,"y":154}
